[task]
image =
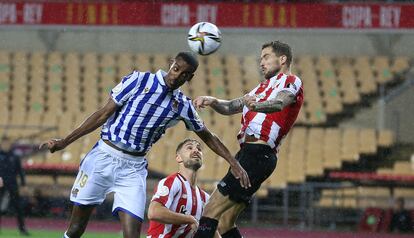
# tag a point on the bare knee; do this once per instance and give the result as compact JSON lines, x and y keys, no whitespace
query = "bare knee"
{"x":225,"y":225}
{"x":130,"y":226}
{"x":132,"y":230}
{"x":210,"y":210}
{"x":131,"y":233}
{"x":217,"y":205}
{"x":76,"y":230}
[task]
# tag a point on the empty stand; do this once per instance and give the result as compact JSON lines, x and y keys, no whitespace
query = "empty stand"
{"x":48,"y":89}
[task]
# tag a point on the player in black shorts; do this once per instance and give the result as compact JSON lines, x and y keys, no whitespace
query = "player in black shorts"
{"x":269,"y":111}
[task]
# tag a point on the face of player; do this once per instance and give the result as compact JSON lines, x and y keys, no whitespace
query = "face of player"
{"x":179,"y":73}
{"x":191,"y":155}
{"x":6,"y":144}
{"x":270,"y":63}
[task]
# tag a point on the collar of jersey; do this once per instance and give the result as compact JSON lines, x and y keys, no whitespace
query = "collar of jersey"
{"x":160,"y":76}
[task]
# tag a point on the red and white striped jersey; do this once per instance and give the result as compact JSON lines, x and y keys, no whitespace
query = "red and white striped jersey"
{"x":272,"y":127}
{"x":176,"y":194}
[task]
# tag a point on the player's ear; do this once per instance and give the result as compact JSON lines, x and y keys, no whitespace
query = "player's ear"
{"x":178,"y":158}
{"x":283,"y":59}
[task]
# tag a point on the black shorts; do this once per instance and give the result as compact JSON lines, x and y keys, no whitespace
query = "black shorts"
{"x":259,"y":161}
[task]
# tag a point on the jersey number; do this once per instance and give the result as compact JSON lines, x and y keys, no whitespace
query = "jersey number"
{"x":83,"y":178}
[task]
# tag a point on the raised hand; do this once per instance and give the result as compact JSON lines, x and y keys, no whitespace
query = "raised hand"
{"x":203,"y":101}
{"x":240,"y":174}
{"x":249,"y":102}
{"x":53,"y":145}
{"x":193,"y":224}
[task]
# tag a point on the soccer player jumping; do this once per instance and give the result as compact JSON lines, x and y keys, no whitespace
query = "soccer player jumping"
{"x":269,"y":111}
{"x":136,"y":115}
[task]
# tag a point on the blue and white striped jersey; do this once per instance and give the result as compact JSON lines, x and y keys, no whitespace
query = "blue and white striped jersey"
{"x":147,"y":107}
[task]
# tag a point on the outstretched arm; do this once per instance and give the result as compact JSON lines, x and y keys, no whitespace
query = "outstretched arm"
{"x":215,"y":144}
{"x":94,"y":121}
{"x":283,"y":99}
{"x":224,"y":107}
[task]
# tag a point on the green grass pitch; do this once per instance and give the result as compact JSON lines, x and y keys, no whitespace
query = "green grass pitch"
{"x":13,"y":233}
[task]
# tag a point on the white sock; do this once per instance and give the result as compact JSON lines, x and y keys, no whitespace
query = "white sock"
{"x":65,"y":236}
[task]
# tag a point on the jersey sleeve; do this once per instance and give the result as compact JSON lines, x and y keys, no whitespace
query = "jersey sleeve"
{"x":292,"y":84}
{"x":165,"y":191}
{"x":123,"y":91}
{"x":192,"y":120}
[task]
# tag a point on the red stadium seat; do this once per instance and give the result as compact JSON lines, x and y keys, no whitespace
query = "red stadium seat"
{"x":371,"y":220}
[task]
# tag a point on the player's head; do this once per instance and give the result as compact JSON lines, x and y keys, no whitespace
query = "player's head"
{"x":399,"y":204}
{"x":181,"y":70}
{"x":189,"y":153}
{"x":274,"y":56}
{"x":5,"y":143}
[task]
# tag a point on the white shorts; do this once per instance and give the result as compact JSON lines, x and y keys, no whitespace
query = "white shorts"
{"x":105,"y":170}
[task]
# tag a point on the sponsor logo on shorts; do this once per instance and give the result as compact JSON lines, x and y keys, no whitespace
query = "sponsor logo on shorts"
{"x":75,"y":192}
{"x":204,"y":227}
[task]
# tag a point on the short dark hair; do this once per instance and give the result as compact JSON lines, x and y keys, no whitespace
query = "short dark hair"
{"x":280,"y":49}
{"x":189,"y":58}
{"x":185,"y":141}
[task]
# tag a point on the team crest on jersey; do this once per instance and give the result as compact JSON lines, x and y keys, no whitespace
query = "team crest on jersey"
{"x":146,"y":90}
{"x":164,"y":191}
{"x":75,"y":192}
{"x":174,"y":105}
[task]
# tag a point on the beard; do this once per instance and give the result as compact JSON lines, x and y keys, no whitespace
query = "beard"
{"x":193,"y":165}
{"x":272,"y":72}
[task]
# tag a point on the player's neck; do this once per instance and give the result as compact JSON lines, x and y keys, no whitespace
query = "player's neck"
{"x":284,"y":70}
{"x":190,"y":175}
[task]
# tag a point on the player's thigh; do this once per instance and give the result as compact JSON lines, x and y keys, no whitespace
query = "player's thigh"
{"x":217,"y":205}
{"x":94,"y":179}
{"x":130,"y":188}
{"x":259,"y":161}
{"x":229,"y":217}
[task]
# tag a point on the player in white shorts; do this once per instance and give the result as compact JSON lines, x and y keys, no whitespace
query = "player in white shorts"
{"x":140,"y":108}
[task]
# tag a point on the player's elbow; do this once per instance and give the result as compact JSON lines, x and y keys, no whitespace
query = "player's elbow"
{"x":153,"y":212}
